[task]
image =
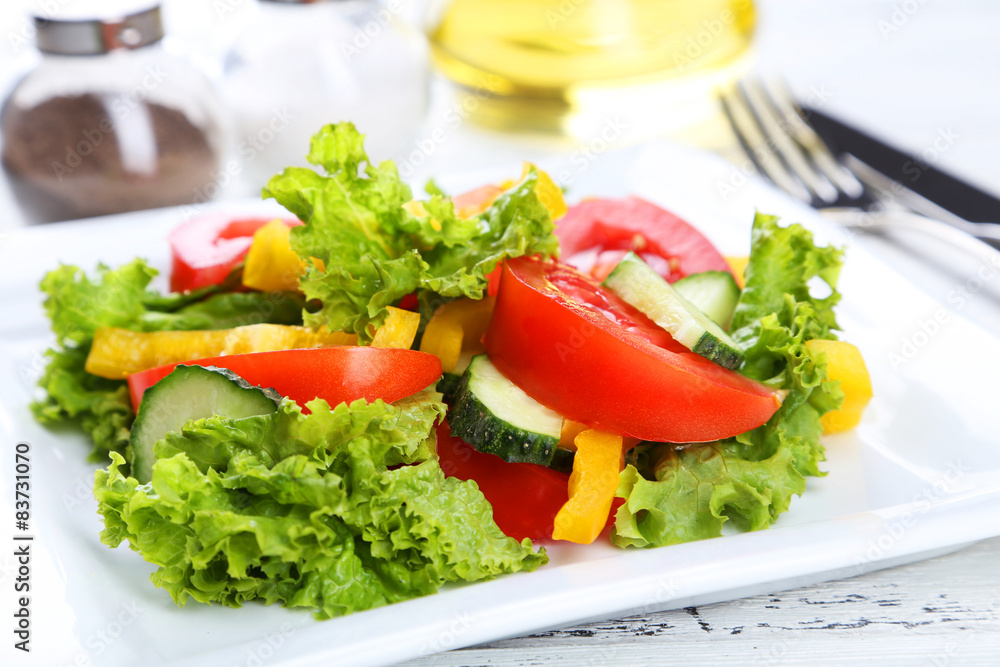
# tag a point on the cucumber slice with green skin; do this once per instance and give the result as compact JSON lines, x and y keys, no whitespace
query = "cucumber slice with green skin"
{"x":495,"y":416}
{"x":714,"y":293}
{"x":448,"y":386}
{"x":191,"y":392}
{"x":562,"y":460}
{"x":639,"y":285}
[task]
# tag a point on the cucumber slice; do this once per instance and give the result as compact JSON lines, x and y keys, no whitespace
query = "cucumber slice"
{"x":191,"y":392}
{"x":714,"y":293}
{"x":494,"y":415}
{"x":562,"y":460}
{"x":639,"y":285}
{"x":448,"y":385}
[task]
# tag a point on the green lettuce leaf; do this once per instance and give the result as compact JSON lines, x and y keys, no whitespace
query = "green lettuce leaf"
{"x":226,"y":311}
{"x":375,"y":251}
{"x":784,"y":262}
{"x":308,"y":510}
{"x":688,"y":493}
{"x":77,"y":305}
{"x":101,"y":407}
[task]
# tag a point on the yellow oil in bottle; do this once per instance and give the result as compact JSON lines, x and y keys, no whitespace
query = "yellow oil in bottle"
{"x":568,"y":66}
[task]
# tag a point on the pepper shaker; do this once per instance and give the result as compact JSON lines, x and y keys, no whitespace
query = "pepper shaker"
{"x":109,"y":120}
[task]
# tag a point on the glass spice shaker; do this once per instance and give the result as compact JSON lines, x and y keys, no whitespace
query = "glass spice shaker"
{"x":109,"y":121}
{"x":302,"y":64}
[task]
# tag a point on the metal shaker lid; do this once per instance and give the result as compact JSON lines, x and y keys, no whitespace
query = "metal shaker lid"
{"x":75,"y":36}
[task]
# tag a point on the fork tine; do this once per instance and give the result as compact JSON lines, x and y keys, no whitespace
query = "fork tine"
{"x":755,"y":143}
{"x":803,"y":133}
{"x":774,"y":127}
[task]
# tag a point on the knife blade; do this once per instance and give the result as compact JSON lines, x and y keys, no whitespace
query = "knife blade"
{"x":950,"y":193}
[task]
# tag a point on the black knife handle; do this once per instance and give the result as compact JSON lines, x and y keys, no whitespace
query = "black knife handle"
{"x":957,"y":196}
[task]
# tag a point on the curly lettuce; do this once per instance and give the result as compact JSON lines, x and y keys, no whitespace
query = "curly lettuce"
{"x":308,"y":510}
{"x":375,"y":246}
{"x":687,"y":493}
{"x":78,"y":304}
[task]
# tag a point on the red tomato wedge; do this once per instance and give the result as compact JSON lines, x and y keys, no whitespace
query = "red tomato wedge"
{"x":493,"y":280}
{"x":335,"y":374}
{"x":525,"y":497}
{"x":595,"y":234}
{"x":583,"y":352}
{"x":205,"y":249}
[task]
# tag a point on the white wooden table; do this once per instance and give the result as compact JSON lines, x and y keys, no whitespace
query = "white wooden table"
{"x":944,"y":611}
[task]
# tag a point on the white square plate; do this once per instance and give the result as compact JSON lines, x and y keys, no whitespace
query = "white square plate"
{"x":920,"y":476}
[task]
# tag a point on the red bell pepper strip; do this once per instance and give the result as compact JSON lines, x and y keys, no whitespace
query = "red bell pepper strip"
{"x":205,"y":249}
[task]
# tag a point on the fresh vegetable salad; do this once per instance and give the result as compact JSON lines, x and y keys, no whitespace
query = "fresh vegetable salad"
{"x":358,"y":404}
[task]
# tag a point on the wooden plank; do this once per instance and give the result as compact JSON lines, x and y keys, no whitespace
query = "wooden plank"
{"x":938,"y":612}
{"x":923,"y":651}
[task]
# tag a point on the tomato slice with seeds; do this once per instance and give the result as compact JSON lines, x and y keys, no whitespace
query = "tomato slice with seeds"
{"x":580,"y":350}
{"x":595,"y":234}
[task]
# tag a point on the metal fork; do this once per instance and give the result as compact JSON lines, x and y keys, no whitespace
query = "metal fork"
{"x":776,"y":136}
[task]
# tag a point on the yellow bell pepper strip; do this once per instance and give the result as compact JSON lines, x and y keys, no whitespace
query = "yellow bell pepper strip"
{"x":443,"y":338}
{"x":398,"y":330}
{"x":570,"y":429}
{"x":474,"y":316}
{"x":844,"y":363}
{"x":474,"y":202}
{"x":117,"y":353}
{"x":592,"y":486}
{"x":738,"y":265}
{"x":416,"y":208}
{"x":271,"y":265}
{"x":456,"y":327}
{"x":548,"y":193}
